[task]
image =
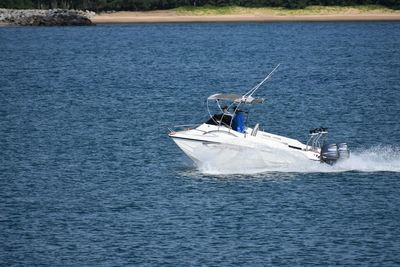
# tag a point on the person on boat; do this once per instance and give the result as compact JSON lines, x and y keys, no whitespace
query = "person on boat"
{"x":238,"y":120}
{"x":225,"y":110}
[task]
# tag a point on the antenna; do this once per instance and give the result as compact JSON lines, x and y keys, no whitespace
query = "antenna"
{"x":255,"y":88}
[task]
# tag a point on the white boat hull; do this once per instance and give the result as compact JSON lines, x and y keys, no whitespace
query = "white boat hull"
{"x":216,"y":148}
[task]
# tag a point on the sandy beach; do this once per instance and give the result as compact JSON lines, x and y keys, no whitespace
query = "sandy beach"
{"x":171,"y":17}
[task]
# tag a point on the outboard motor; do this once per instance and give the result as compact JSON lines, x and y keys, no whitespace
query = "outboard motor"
{"x":329,"y":153}
{"x":344,"y":151}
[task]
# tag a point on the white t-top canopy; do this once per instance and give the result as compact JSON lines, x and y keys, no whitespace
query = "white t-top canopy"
{"x":236,"y":98}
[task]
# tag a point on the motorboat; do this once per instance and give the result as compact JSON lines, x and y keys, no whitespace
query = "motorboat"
{"x":226,"y":137}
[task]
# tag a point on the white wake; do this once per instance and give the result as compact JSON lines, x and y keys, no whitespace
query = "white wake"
{"x":374,"y":159}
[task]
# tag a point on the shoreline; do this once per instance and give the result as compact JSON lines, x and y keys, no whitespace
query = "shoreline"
{"x":170,"y":17}
{"x":236,"y":15}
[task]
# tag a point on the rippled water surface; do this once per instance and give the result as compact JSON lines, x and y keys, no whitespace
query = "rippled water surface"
{"x":88,"y":176}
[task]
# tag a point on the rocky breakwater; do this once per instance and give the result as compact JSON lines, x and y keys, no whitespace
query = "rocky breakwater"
{"x":52,"y":17}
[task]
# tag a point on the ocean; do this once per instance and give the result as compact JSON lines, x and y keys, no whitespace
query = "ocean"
{"x":89,"y":176}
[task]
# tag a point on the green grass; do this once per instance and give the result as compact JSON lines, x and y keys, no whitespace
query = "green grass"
{"x":280,"y":11}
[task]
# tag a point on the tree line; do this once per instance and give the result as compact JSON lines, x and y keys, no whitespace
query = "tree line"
{"x":137,"y":5}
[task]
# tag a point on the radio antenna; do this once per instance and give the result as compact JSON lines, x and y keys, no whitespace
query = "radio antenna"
{"x":255,"y":88}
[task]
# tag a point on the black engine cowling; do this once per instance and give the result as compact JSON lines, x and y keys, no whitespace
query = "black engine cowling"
{"x":344,"y":152}
{"x":331,"y":153}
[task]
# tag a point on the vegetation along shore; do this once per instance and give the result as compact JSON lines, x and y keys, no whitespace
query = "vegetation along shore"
{"x":62,"y":12}
{"x":145,"y":5}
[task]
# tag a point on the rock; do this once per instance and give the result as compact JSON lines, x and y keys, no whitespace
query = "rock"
{"x":51,"y":17}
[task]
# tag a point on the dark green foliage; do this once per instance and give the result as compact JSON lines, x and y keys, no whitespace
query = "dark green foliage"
{"x":104,"y":5}
{"x":17,"y":4}
{"x":395,"y":4}
{"x":294,"y":4}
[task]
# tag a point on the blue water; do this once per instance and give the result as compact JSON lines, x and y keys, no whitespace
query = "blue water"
{"x":88,"y":176}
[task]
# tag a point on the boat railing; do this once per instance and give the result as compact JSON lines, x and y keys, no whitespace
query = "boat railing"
{"x":183,"y":127}
{"x":316,"y":139}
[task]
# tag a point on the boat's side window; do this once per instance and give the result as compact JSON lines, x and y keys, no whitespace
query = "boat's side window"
{"x":212,"y":121}
{"x":218,"y":119}
{"x":227,"y":120}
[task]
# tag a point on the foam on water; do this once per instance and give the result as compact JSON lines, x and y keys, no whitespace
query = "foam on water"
{"x":373,"y":159}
